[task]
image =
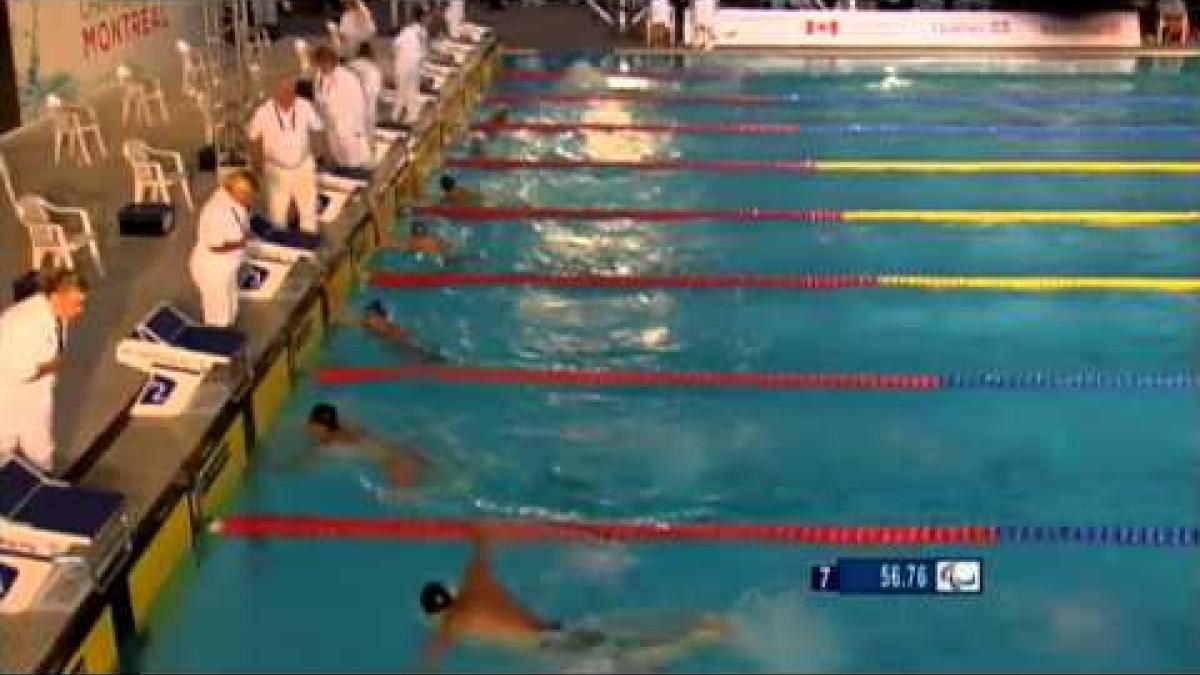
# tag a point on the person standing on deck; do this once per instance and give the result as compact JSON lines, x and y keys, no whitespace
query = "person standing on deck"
{"x":33,"y":339}
{"x":281,"y":150}
{"x":221,"y":237}
{"x":343,"y":104}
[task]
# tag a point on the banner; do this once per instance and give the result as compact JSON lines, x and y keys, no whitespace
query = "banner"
{"x":73,"y":47}
{"x":802,"y":28}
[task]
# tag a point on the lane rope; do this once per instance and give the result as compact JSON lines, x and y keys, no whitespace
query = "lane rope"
{"x":767,"y":129}
{"x":813,"y":166}
{"x":655,"y":98}
{"x":987,"y":380}
{"x":659,"y":74}
{"x":407,"y":280}
{"x":500,"y":214}
{"x":431,"y":530}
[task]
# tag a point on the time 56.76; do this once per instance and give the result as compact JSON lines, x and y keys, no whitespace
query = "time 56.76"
{"x":897,"y":576}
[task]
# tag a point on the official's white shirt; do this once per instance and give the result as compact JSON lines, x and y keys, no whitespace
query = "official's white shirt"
{"x":286,"y":134}
{"x":356,"y":29}
{"x":660,"y":12}
{"x":342,"y":100}
{"x":371,"y":79}
{"x":29,"y":337}
{"x":407,"y":49}
{"x":222,"y":221}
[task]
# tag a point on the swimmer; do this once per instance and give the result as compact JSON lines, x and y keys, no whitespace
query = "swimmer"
{"x":425,"y":243}
{"x":421,"y":240}
{"x":487,"y":132}
{"x":404,"y":466}
{"x":483,"y":610}
{"x":376,"y":322}
{"x":454,"y":194}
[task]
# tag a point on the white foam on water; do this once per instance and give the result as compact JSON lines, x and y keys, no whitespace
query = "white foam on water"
{"x":780,"y":633}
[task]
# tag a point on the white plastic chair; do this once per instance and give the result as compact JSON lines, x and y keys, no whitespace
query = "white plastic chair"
{"x":199,"y":74}
{"x":45,"y":235}
{"x":73,"y":125}
{"x":155,"y":171}
{"x":304,"y":55}
{"x":335,"y":36}
{"x":49,"y":236}
{"x":141,"y":95}
{"x":1173,"y":29}
{"x":6,"y":180}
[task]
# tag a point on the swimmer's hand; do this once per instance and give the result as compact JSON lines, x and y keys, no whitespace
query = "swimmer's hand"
{"x":435,"y":648}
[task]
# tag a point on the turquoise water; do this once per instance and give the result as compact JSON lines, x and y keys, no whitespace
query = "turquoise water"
{"x":947,"y":457}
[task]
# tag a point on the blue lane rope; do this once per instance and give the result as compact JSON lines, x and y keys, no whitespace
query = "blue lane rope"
{"x":1116,"y":536}
{"x":1075,"y":380}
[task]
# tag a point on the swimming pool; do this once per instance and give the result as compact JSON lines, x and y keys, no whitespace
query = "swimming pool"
{"x":1077,"y":456}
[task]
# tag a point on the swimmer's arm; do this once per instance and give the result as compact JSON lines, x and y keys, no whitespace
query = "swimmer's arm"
{"x":436,"y":648}
{"x":478,"y":575}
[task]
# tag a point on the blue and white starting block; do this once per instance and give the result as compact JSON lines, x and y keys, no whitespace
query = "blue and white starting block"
{"x":46,"y":523}
{"x":273,"y":243}
{"x":177,"y":354}
{"x":262,"y":278}
{"x":342,"y":181}
{"x":23,"y":580}
{"x":385,"y":139}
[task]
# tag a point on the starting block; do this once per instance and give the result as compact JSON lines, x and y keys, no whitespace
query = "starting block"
{"x":47,"y":524}
{"x":177,"y":354}
{"x":273,"y":243}
{"x":331,"y":182}
{"x":23,"y":579}
{"x":261,"y":279}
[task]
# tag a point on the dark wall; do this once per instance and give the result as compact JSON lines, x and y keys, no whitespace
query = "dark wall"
{"x":10,"y":102}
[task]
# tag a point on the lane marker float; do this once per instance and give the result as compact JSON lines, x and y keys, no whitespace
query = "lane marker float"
{"x":1114,"y":219}
{"x":430,"y":530}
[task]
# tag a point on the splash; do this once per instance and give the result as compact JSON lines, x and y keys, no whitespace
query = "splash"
{"x":780,"y":634}
{"x":601,"y":563}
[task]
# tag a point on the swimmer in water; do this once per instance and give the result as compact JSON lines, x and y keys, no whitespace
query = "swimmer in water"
{"x":454,"y":194}
{"x":404,"y":466}
{"x":483,"y":610}
{"x":376,"y":322}
{"x":487,"y":132}
{"x":425,"y":243}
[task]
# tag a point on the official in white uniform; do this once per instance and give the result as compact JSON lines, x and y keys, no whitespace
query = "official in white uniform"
{"x":356,"y":27}
{"x":221,"y":245}
{"x":33,"y":339}
{"x":456,"y":22}
{"x":408,"y":60}
{"x":280,"y":132}
{"x":343,"y":105}
{"x":371,"y":78}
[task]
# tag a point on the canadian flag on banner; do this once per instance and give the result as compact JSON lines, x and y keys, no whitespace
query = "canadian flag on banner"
{"x":817,"y":27}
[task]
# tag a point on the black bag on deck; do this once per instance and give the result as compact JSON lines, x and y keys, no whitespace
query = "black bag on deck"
{"x":206,"y":158}
{"x":306,"y":89}
{"x":146,"y":220}
{"x":26,"y":285}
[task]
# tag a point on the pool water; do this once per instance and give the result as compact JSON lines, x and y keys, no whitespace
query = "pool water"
{"x":1037,"y":457}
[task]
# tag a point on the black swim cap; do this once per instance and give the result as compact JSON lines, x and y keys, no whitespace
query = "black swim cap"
{"x":435,"y":598}
{"x":324,"y":415}
{"x":448,"y":183}
{"x":376,"y":307}
{"x":419,"y":228}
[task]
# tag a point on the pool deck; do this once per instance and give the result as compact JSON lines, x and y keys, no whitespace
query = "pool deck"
{"x":177,"y":472}
{"x":150,"y":460}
